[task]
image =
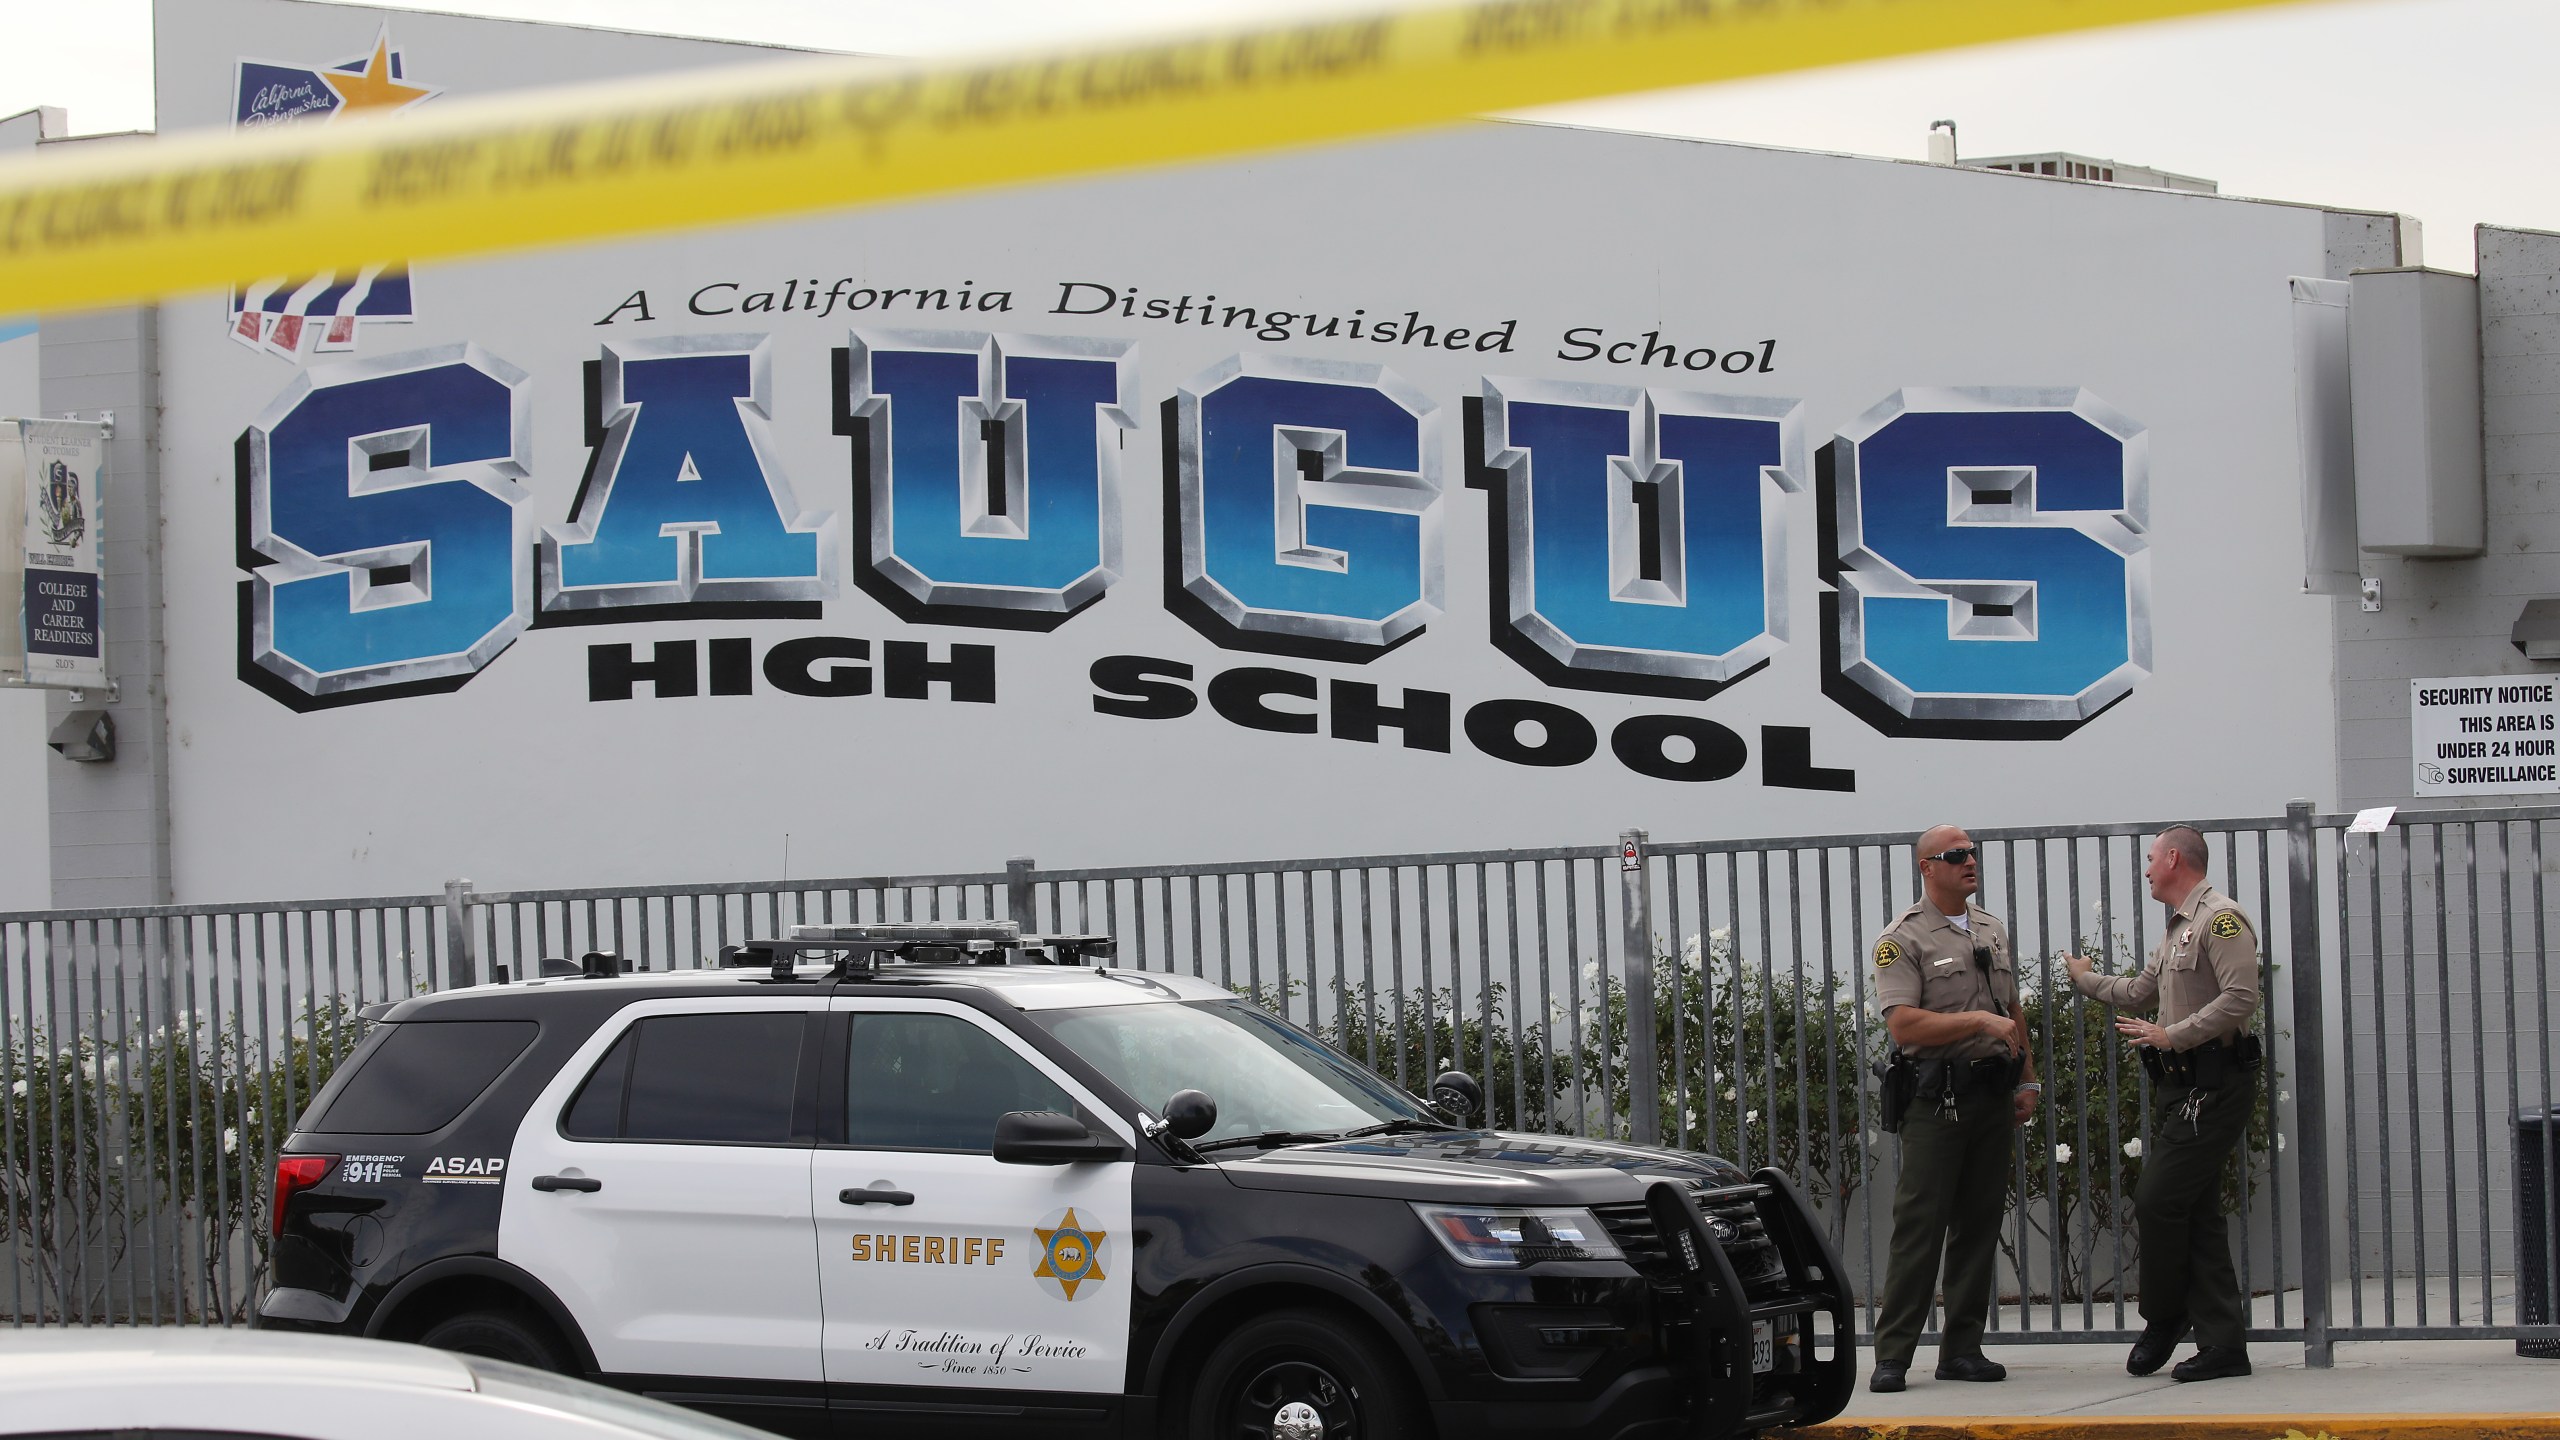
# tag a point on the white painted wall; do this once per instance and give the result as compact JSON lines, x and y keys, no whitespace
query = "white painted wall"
{"x":26,"y":858}
{"x":26,"y":861}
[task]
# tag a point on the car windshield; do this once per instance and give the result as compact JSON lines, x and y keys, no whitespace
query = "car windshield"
{"x":1266,"y":1076}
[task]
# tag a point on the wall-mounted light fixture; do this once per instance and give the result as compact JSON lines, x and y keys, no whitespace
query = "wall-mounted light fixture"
{"x":88,"y":736}
{"x":2537,"y":631}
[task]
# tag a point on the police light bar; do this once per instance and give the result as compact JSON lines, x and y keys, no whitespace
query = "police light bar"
{"x":861,"y":948}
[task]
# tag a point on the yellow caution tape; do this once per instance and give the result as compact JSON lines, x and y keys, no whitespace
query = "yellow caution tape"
{"x":194,"y":212}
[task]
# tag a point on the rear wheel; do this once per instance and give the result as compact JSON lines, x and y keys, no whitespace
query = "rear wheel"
{"x":498,"y":1335}
{"x":1302,"y":1375}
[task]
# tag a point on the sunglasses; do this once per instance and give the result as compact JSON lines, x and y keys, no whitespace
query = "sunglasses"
{"x":1957,"y":856}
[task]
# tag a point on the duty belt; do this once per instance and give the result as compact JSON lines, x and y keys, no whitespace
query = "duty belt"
{"x":1947,"y":1079}
{"x":2209,"y":1066}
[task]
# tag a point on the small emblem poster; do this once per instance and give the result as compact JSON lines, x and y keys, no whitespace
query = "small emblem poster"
{"x":50,"y":471}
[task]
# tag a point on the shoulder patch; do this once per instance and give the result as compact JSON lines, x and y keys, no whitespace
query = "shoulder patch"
{"x":2227,"y":924}
{"x":1886,"y":953}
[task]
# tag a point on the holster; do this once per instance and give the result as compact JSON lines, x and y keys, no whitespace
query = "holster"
{"x":1898,"y":1085}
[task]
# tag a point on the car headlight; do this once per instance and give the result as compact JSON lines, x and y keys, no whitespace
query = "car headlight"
{"x":1507,"y":1237}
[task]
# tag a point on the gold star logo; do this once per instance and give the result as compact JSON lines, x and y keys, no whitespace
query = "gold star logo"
{"x":373,"y":88}
{"x":1070,"y":1254}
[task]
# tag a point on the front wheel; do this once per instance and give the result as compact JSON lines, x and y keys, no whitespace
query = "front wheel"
{"x":1302,"y":1375}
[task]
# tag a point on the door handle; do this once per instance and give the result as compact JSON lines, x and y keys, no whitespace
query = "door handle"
{"x":875,"y":1197}
{"x":567,"y":1182}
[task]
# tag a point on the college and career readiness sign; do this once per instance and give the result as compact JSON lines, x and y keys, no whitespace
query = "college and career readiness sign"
{"x":2485,"y":735}
{"x":1508,"y":486}
{"x":50,"y":472}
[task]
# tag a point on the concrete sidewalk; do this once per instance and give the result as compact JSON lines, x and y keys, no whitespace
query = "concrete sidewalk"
{"x":2406,"y":1377}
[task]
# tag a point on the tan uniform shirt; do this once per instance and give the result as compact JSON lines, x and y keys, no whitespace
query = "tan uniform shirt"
{"x":2204,"y":971}
{"x":1923,"y":959}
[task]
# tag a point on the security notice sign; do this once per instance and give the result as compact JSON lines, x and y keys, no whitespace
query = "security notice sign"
{"x":49,"y":477}
{"x":2485,"y":735}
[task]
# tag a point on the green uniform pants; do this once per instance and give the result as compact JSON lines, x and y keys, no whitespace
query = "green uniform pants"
{"x":2186,"y":1242}
{"x":1954,"y":1186}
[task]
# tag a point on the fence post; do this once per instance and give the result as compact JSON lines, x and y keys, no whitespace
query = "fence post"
{"x":1644,"y":1065}
{"x":2310,"y":1084}
{"x":1017,"y":892}
{"x":461,"y":966}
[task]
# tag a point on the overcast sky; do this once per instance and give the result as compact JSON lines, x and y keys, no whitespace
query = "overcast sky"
{"x":2423,"y":106}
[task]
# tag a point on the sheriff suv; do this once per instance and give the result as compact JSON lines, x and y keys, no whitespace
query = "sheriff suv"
{"x":955,"y":1180}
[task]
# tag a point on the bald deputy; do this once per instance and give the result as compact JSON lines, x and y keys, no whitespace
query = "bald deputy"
{"x":2203,"y":1063}
{"x":1948,"y":987}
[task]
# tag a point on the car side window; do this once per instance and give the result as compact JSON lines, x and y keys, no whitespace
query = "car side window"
{"x":720,"y":1079}
{"x":935,"y":1082}
{"x":415,"y":1078}
{"x":596,"y":1113}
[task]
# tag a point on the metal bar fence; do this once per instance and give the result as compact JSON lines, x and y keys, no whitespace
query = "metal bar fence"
{"x":1715,"y":997}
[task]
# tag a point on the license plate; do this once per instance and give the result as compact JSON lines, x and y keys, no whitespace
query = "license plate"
{"x":1764,"y":1347}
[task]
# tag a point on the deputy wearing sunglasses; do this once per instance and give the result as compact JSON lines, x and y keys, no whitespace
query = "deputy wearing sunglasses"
{"x":1948,"y":987}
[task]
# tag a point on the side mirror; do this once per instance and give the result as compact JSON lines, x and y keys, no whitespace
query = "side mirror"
{"x":1189,"y":1114}
{"x":1045,"y":1137}
{"x":1456,"y":1094}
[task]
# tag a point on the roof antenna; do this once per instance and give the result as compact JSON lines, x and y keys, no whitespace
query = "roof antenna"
{"x":1942,"y":151}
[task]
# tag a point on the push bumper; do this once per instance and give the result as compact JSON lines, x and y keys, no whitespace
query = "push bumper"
{"x":1814,"y":1375}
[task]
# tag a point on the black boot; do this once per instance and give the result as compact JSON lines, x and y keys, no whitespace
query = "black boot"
{"x":2153,"y":1349}
{"x":1970,"y":1367}
{"x":1888,"y":1376}
{"x":2212,"y":1362}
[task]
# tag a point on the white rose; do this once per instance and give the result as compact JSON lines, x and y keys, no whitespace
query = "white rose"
{"x":230,"y":1140}
{"x":2062,"y":1154}
{"x":1751,"y":1117}
{"x":2283,"y":1095}
{"x":1728,"y":1094}
{"x":2133,"y":1148}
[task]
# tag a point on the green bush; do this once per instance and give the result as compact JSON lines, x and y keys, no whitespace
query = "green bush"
{"x":101,"y":1138}
{"x":1761,"y":1068}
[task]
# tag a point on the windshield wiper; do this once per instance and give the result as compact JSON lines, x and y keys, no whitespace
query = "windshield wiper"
{"x":1268,"y":1139}
{"x":1397,"y":1126}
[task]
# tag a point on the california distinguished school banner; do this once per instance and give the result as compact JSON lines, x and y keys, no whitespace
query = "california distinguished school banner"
{"x":49,"y":479}
{"x":1505,"y":485}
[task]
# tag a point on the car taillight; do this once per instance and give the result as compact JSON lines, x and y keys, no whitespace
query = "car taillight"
{"x":295,"y":1174}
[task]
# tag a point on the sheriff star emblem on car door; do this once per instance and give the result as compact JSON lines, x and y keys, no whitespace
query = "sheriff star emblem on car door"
{"x":1070,"y":1255}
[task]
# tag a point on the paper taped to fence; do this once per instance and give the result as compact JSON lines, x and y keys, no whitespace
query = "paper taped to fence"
{"x":191,"y":213}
